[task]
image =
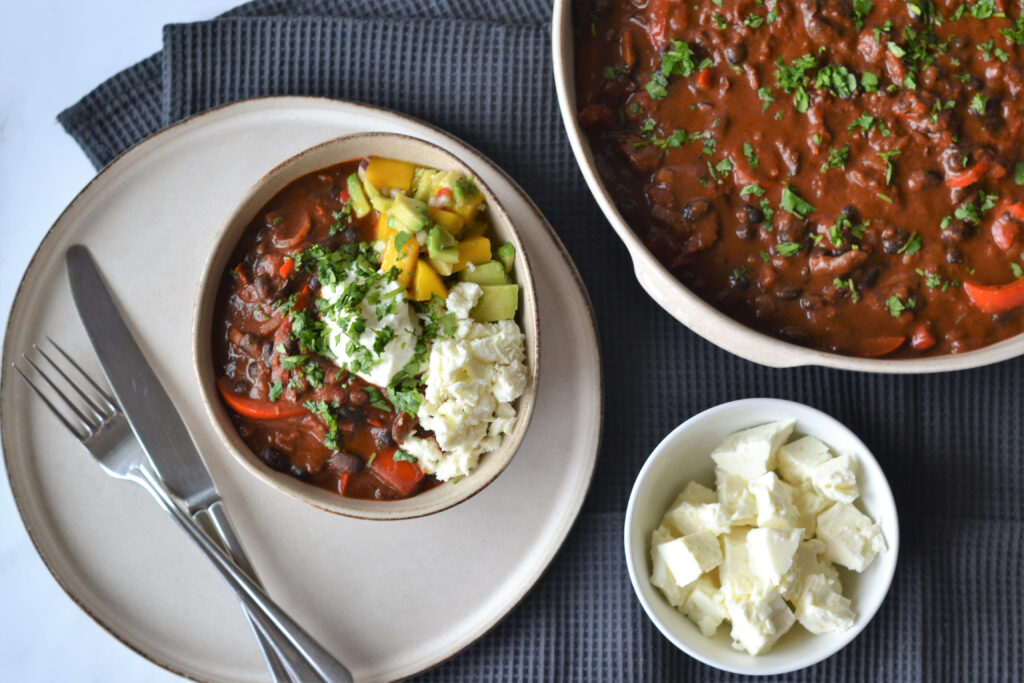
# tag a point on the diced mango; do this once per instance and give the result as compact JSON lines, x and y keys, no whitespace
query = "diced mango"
{"x":391,"y":173}
{"x":475,"y":250}
{"x":383,"y":233}
{"x":476,"y":228}
{"x":426,"y":282}
{"x":404,"y":259}
{"x":471,"y":206}
{"x":451,"y":222}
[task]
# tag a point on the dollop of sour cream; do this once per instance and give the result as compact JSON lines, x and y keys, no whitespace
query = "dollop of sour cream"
{"x":374,"y":336}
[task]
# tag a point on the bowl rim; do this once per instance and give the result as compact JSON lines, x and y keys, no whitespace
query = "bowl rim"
{"x":217,"y":415}
{"x":691,"y":310}
{"x":887,"y":510}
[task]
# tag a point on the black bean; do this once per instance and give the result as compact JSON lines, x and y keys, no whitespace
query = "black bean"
{"x":382,"y":437}
{"x":893,"y":239}
{"x":335,"y":191}
{"x":796,"y":335}
{"x":738,"y":279}
{"x":300,"y":473}
{"x":786,"y":292}
{"x":954,"y":254}
{"x":314,"y":282}
{"x":343,"y":462}
{"x":350,"y":236}
{"x":872,"y":277}
{"x":695,"y":209}
{"x":737,"y":53}
{"x":921,"y":179}
{"x":811,"y":302}
{"x":754,"y":215}
{"x":350,"y":414}
{"x":957,"y":231}
{"x":851,"y":212}
{"x":746,"y":232}
{"x":274,"y":459}
{"x":263,"y":287}
{"x":268,"y":354}
{"x":242,"y":387}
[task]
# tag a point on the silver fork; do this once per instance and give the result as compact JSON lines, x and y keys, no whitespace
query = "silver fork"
{"x":105,"y":433}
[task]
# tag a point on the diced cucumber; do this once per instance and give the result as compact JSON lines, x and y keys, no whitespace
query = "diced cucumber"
{"x":441,"y":246}
{"x":410,"y":213}
{"x":360,"y":204}
{"x":490,"y":273}
{"x":507,"y":256}
{"x":499,"y":302}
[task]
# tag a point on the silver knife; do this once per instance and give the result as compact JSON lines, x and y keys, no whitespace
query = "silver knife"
{"x":162,"y":434}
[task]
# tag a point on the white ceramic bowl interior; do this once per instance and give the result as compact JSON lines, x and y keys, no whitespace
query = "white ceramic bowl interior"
{"x":327,"y":154}
{"x":688,"y":308}
{"x":684,"y":455}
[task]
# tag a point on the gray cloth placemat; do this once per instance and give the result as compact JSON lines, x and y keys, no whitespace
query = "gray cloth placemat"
{"x":952,"y":445}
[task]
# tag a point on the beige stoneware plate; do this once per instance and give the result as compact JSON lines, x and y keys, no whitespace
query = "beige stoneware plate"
{"x":388,"y":598}
{"x":690,"y":309}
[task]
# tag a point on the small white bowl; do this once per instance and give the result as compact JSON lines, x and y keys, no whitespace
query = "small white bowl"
{"x":684,"y":455}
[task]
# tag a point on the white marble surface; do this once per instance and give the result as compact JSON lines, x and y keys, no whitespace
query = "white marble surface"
{"x":52,"y":53}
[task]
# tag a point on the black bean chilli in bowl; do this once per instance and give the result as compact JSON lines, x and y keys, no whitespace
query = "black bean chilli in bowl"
{"x":365,"y":334}
{"x":844,"y":175}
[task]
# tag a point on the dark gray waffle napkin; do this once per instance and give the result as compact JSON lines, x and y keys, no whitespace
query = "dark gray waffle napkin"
{"x":952,"y":445}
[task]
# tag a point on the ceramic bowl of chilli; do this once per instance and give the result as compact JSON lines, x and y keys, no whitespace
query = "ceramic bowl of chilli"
{"x":314,"y":444}
{"x":685,"y":305}
{"x":684,"y":456}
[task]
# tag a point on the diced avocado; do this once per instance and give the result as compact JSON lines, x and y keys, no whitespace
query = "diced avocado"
{"x":464,"y":189}
{"x":490,"y":273}
{"x":410,"y":213}
{"x":441,"y":246}
{"x":499,"y":302}
{"x":424,"y":180}
{"x":507,"y":256}
{"x":441,"y":267}
{"x":378,"y":201}
{"x":360,"y":204}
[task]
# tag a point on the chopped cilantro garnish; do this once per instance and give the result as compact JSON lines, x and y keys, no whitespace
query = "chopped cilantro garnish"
{"x":794,"y":203}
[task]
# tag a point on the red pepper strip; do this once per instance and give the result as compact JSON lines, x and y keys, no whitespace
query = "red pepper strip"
{"x":657,"y":22}
{"x":444,"y":192}
{"x":1005,"y":231}
{"x":996,"y":298}
{"x":1016,"y":210}
{"x":969,"y":176}
{"x":922,"y":338}
{"x":255,"y":408}
{"x":287,"y":267}
{"x":881,"y":346}
{"x":343,"y":483}
{"x":704,"y":79}
{"x":401,"y":475}
{"x":345,"y":196}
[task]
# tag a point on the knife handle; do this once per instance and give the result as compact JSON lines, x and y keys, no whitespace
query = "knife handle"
{"x":284,"y":666}
{"x":279,"y":628}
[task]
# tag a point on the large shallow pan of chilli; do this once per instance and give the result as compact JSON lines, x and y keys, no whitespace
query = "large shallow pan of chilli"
{"x":809,"y":183}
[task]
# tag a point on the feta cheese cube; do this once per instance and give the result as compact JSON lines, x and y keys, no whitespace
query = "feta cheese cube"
{"x":810,"y":505}
{"x":737,"y":580}
{"x":836,"y":479}
{"x":696,"y":494}
{"x":705,"y":606}
{"x":807,"y":561}
{"x":771,"y":552}
{"x":687,"y":518}
{"x":799,"y":458}
{"x":737,"y":501}
{"x":690,"y":556}
{"x":759,"y":621}
{"x":821,"y":609}
{"x":661,"y":577}
{"x":774,"y":500}
{"x":751,"y":453}
{"x":851,"y":538}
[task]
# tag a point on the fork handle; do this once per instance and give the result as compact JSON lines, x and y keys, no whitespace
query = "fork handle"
{"x":284,"y":667}
{"x":280,"y":628}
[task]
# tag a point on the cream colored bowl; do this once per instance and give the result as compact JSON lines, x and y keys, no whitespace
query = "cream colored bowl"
{"x":685,"y":455}
{"x":690,"y":309}
{"x":328,"y":154}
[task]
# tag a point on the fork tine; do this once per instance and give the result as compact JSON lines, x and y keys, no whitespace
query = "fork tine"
{"x":111,"y":404}
{"x":99,"y":414}
{"x":60,"y":416}
{"x":89,"y":426}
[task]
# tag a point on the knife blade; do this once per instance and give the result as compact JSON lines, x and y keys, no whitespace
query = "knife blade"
{"x":150,"y":411}
{"x":161,"y":433}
